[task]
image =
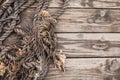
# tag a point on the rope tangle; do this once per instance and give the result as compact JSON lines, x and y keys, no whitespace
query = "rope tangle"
{"x":34,"y":47}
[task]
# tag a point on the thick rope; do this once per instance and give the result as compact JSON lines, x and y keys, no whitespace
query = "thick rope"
{"x":13,"y":23}
{"x":6,"y":14}
{"x":38,"y":42}
{"x":49,"y":49}
{"x":5,"y":5}
{"x":46,"y":4}
{"x":5,"y":50}
{"x":27,"y":5}
{"x":15,"y":15}
{"x":62,"y":10}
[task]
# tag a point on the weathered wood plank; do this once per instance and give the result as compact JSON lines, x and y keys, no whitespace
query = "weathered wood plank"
{"x":87,"y":20}
{"x":87,"y":69}
{"x":88,"y":3}
{"x":89,"y":44}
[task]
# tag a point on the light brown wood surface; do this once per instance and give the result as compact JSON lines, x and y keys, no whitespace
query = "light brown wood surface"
{"x":86,"y":69}
{"x":89,"y":44}
{"x":88,"y":3}
{"x":89,"y":20}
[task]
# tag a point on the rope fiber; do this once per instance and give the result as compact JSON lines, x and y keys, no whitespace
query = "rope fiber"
{"x":27,"y":51}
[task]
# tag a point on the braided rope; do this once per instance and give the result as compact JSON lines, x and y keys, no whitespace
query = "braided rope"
{"x":12,"y":57}
{"x":19,"y":31}
{"x":62,"y":10}
{"x":21,"y":8}
{"x":43,"y":4}
{"x":28,"y":4}
{"x":49,"y":50}
{"x":39,"y":46}
{"x":39,"y":6}
{"x":46,"y":4}
{"x":5,"y":50}
{"x":6,"y":13}
{"x":13,"y":23}
{"x":5,"y":6}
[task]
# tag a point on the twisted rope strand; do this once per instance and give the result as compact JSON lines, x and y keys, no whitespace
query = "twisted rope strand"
{"x":62,"y":10}
{"x":38,"y":46}
{"x":28,"y":4}
{"x":5,"y":6}
{"x":46,"y":4}
{"x":5,"y":50}
{"x":13,"y":23}
{"x":17,"y":11}
{"x":6,"y":13}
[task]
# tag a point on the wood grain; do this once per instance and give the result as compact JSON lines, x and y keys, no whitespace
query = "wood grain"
{"x":89,"y":20}
{"x":87,"y":69}
{"x":86,"y":20}
{"x":87,"y":3}
{"x":89,"y":44}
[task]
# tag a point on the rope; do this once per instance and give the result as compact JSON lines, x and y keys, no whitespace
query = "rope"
{"x":5,"y":6}
{"x":22,"y":8}
{"x":38,"y":42}
{"x":6,"y":14}
{"x":28,"y":4}
{"x":48,"y":46}
{"x":15,"y":15}
{"x":46,"y":4}
{"x":13,"y":23}
{"x":62,"y":10}
{"x":4,"y":51}
{"x":19,"y":31}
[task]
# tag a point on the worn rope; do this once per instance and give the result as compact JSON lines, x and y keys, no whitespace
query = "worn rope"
{"x":48,"y":46}
{"x":4,"y":51}
{"x":15,"y":15}
{"x":46,"y":4}
{"x":13,"y":23}
{"x":62,"y":10}
{"x":31,"y":58}
{"x":5,"y":5}
{"x":6,"y":14}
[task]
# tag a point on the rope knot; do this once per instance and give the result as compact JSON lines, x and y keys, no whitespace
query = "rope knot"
{"x":44,"y":13}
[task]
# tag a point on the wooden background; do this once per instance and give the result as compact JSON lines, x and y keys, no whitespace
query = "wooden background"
{"x":88,"y":33}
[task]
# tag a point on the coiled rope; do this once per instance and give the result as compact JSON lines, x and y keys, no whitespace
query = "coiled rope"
{"x":38,"y":43}
{"x":15,"y":17}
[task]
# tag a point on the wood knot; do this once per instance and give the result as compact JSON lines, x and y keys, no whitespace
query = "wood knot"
{"x":100,"y":16}
{"x":87,"y":3}
{"x":101,"y":45}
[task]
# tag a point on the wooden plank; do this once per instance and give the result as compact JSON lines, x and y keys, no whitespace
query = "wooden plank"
{"x":87,"y":20}
{"x":89,"y":44}
{"x":87,"y":3}
{"x":87,"y":69}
